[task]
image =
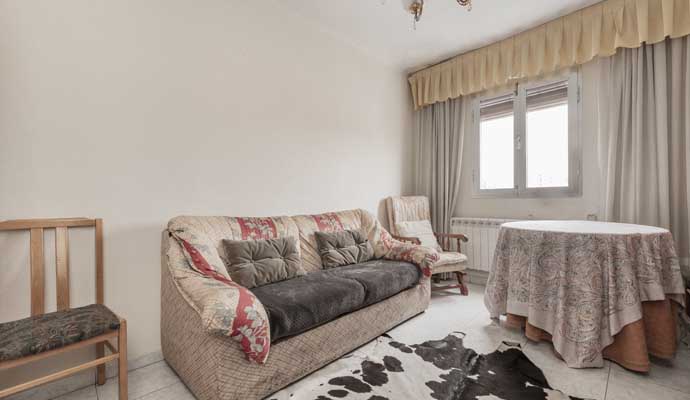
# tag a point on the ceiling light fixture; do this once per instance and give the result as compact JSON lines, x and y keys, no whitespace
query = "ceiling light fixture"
{"x":416,"y":7}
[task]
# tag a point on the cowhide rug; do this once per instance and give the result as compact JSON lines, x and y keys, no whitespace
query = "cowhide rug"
{"x":437,"y":369}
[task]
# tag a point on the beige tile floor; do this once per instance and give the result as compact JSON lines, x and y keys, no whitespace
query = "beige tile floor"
{"x":447,"y":313}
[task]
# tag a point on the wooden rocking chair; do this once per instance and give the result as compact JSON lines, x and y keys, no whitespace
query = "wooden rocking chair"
{"x":416,"y":208}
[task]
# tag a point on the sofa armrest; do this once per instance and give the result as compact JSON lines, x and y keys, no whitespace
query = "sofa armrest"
{"x":387,"y":247}
{"x":225,"y":308}
{"x":421,"y":256}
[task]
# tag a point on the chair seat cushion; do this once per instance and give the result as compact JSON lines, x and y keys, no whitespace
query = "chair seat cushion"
{"x":54,"y":330}
{"x":300,"y":304}
{"x":447,"y":258}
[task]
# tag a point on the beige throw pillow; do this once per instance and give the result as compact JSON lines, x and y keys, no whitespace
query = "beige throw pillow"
{"x":422,"y":230}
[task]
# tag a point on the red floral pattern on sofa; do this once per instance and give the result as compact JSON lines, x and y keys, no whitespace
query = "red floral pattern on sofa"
{"x":422,"y":257}
{"x":257,"y":228}
{"x":328,"y":222}
{"x":247,"y":325}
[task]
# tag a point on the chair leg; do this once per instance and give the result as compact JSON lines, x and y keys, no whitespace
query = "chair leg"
{"x":122,"y":360}
{"x":100,"y":370}
{"x":463,"y":288}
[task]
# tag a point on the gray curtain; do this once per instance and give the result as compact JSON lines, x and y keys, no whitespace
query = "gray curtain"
{"x":439,"y":136}
{"x":644,"y":137}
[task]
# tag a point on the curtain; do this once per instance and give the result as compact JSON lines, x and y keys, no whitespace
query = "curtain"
{"x":644,"y":137}
{"x":574,"y":39}
{"x":438,"y":142}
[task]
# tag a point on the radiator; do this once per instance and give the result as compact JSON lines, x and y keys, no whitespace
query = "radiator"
{"x":482,"y":234}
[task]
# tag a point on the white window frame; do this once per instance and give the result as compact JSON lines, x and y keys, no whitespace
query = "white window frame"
{"x":518,"y":92}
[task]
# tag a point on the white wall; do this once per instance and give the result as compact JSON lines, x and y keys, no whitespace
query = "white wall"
{"x":137,"y":111}
{"x":543,"y":208}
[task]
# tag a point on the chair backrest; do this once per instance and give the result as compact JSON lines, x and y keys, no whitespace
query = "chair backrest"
{"x":61,"y":226}
{"x":407,"y":208}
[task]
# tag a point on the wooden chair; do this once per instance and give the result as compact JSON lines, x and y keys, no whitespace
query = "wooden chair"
{"x":416,"y":208}
{"x":93,"y":325}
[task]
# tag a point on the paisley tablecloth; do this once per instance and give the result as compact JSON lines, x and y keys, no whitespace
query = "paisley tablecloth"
{"x":581,"y":282}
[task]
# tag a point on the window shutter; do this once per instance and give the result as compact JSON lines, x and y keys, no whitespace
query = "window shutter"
{"x":497,"y":107}
{"x":550,"y":95}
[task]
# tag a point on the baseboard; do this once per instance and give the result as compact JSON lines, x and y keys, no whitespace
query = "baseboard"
{"x":83,"y":379}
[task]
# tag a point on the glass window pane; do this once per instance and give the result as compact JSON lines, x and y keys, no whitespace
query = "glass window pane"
{"x":547,"y":143}
{"x":496,"y":152}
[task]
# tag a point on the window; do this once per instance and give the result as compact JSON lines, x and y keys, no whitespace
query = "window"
{"x":528,"y":141}
{"x":496,"y":144}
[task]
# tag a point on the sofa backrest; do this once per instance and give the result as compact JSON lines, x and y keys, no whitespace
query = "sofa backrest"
{"x":210,"y":231}
{"x":327,"y":222}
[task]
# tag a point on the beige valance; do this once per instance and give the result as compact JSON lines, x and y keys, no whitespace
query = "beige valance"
{"x":574,"y":39}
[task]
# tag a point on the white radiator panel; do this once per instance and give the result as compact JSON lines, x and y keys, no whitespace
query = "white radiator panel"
{"x":482,"y":234}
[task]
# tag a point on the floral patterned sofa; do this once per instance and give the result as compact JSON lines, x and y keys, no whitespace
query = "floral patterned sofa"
{"x":215,"y":333}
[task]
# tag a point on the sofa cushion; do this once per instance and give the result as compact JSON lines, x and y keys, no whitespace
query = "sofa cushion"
{"x":343,"y":248}
{"x":421,"y":230}
{"x":253,"y":263}
{"x":54,"y":330}
{"x":381,"y":279}
{"x":297,"y":305}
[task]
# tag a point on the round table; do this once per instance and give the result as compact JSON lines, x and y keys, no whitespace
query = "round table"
{"x":585,"y":284}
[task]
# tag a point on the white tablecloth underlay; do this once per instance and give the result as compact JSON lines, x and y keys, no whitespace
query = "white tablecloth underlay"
{"x":585,"y":227}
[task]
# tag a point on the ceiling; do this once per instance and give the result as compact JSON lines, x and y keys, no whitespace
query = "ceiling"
{"x":384,"y":29}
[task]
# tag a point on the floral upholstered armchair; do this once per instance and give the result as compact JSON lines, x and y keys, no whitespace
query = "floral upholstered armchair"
{"x":409,"y":218}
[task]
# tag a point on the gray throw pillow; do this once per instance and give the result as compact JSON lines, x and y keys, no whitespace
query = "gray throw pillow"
{"x":343,"y":248}
{"x":253,"y":263}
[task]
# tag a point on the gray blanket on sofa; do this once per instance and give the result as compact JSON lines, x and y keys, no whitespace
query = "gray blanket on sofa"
{"x":297,"y":305}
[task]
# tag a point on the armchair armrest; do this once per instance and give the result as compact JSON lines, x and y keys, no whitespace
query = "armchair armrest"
{"x":446,"y":239}
{"x":406,"y":239}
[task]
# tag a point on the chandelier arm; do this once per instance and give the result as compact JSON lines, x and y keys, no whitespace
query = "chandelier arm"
{"x":417,"y":7}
